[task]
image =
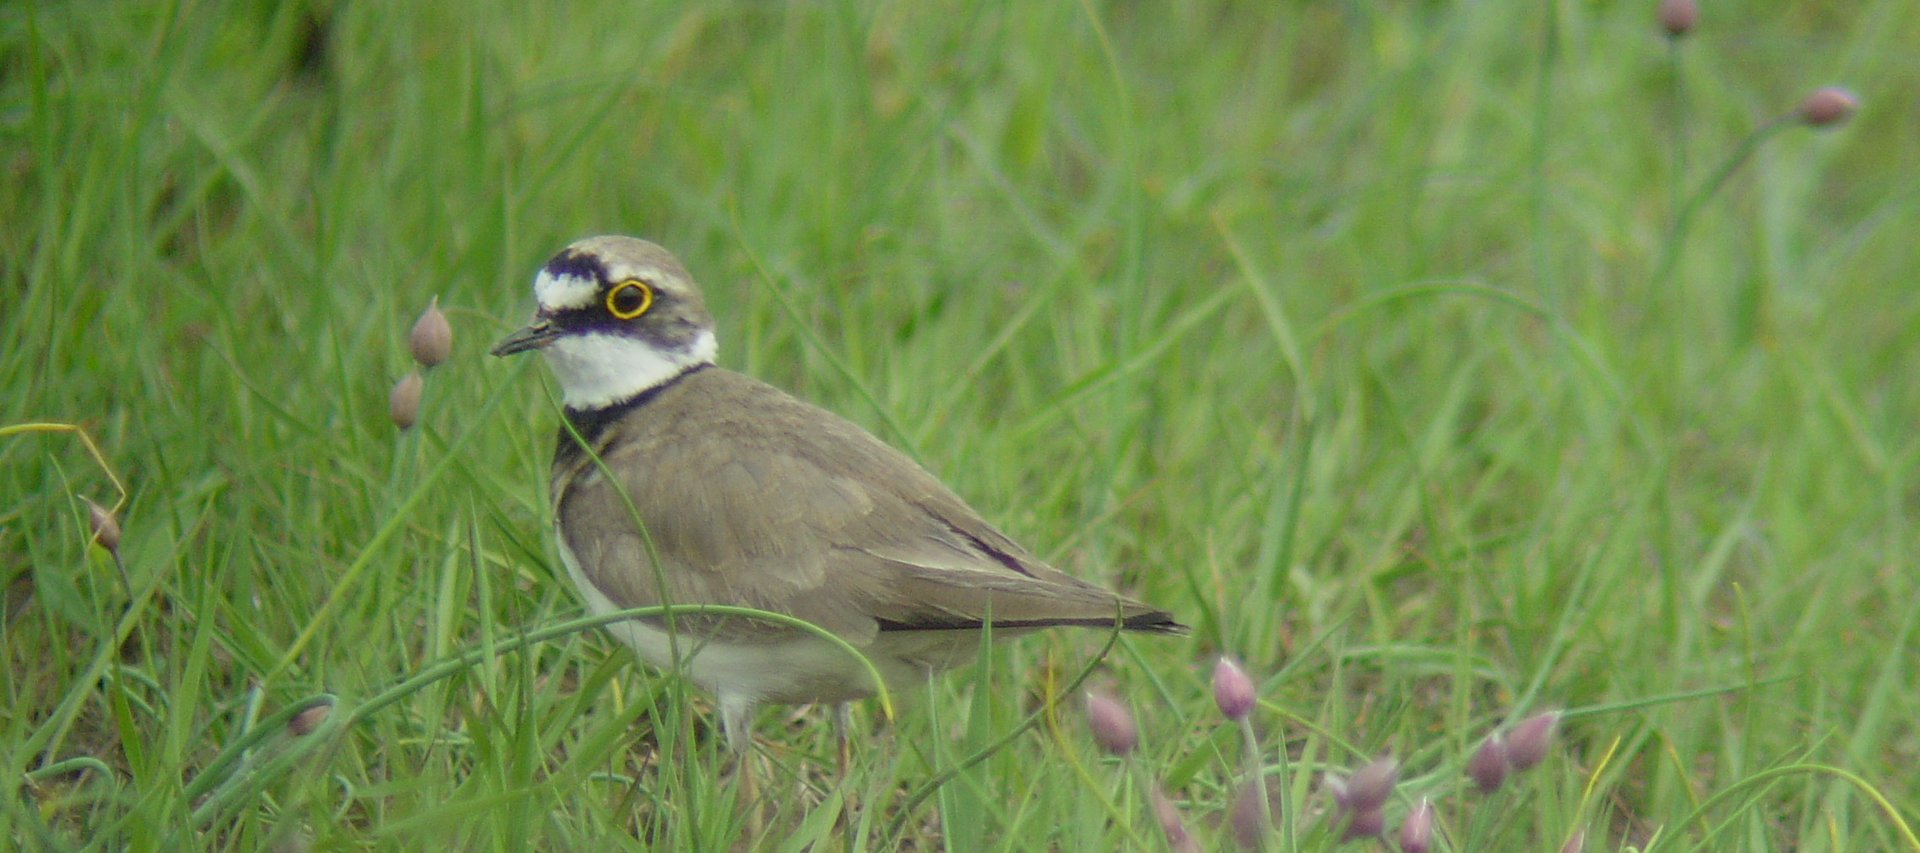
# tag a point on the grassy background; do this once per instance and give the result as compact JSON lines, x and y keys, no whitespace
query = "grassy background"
{"x":1338,"y":329}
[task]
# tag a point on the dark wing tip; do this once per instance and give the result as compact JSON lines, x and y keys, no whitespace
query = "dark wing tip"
{"x":1154,"y":622}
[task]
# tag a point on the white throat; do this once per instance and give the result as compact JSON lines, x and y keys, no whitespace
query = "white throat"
{"x":597,"y":370}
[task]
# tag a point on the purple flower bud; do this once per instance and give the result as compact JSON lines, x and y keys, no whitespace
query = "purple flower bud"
{"x":1232,"y":690}
{"x":309,"y":721}
{"x":1337,"y":786}
{"x":1416,"y":833}
{"x":1370,"y":786}
{"x":1577,"y":843}
{"x":403,"y":404}
{"x":1829,"y":106}
{"x":1529,"y":741}
{"x":432,"y":339}
{"x":1168,"y":814}
{"x":1248,"y":819}
{"x":1112,"y":723}
{"x":1366,"y":823}
{"x":1488,"y":766}
{"x":106,"y":530}
{"x":1678,"y":17}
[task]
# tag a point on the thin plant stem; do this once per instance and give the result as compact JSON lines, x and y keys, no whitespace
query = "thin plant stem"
{"x":1258,"y":774}
{"x":1677,"y":97}
{"x":926,"y":790}
{"x":231,"y":780}
{"x":1683,"y":218}
{"x":1537,"y":154}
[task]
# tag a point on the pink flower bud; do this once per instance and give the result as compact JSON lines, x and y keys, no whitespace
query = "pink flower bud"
{"x":1250,"y":818}
{"x":403,"y":405}
{"x":432,"y":339}
{"x":1529,"y":741}
{"x":1366,"y":823}
{"x":1488,"y":766}
{"x":1168,"y":814}
{"x":309,"y":721}
{"x":1370,"y":786}
{"x":106,"y":530}
{"x":1112,"y":723}
{"x":1829,"y":106}
{"x":1577,"y":843}
{"x":1678,"y":17}
{"x":1416,"y":833}
{"x":1232,"y":690}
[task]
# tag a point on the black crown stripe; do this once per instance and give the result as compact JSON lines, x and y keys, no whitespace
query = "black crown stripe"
{"x":577,"y":264}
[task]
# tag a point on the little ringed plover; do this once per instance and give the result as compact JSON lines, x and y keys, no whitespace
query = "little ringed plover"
{"x":747,"y":496}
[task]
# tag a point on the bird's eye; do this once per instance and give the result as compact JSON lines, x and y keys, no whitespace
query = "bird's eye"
{"x":629,"y":299}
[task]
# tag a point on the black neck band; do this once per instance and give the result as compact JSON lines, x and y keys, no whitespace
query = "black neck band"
{"x":589,"y":423}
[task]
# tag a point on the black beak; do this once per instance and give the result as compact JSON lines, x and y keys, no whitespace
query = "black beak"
{"x":536,"y":335}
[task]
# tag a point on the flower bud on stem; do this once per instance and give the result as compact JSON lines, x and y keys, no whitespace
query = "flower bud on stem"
{"x":431,"y":340}
{"x":1112,"y":723}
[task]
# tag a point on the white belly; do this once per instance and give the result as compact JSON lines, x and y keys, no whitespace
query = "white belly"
{"x":792,"y":670}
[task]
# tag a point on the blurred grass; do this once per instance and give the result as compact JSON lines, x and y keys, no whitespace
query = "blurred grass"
{"x":1315,"y":323}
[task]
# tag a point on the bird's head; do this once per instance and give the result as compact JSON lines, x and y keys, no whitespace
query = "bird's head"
{"x":616,"y":316}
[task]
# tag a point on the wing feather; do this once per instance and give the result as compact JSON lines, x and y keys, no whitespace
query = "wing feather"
{"x":751,"y":497}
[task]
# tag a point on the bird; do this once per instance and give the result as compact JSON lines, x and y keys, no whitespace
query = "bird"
{"x":677,"y":481}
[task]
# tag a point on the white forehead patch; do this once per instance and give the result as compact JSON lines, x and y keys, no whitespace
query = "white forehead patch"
{"x":563,"y":292}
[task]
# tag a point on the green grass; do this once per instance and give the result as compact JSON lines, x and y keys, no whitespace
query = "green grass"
{"x":1324,"y":325}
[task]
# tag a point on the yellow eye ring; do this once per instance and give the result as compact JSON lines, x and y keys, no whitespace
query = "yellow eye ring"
{"x":629,"y":299}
